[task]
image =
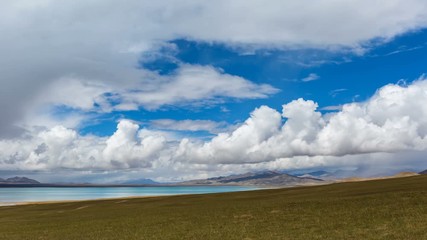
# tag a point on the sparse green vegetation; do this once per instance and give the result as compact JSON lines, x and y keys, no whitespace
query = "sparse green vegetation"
{"x":381,"y":209}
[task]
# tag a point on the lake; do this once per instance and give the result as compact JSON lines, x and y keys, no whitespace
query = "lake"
{"x":10,"y":196}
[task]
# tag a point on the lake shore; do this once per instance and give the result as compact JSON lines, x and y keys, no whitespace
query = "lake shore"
{"x":379,"y":209}
{"x":80,"y":201}
{"x":35,"y":195}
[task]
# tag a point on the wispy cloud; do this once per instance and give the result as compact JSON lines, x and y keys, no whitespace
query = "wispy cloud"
{"x":401,"y":49}
{"x":310,"y":77}
{"x":332,"y":108}
{"x":335,"y":92}
{"x":404,"y":49}
{"x":224,"y":109}
{"x":189,"y":125}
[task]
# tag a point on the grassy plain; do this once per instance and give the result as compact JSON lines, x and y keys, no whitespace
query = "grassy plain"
{"x":380,"y":209}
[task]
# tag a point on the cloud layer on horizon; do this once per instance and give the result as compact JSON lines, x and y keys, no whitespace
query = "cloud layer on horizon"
{"x":393,"y":120}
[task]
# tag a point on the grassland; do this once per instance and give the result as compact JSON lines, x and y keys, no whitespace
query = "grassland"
{"x":381,"y":209}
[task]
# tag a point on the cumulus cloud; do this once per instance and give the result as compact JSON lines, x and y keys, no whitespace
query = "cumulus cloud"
{"x":45,"y":41}
{"x":123,"y":146}
{"x":392,"y":120}
{"x":63,"y":148}
{"x":240,"y":144}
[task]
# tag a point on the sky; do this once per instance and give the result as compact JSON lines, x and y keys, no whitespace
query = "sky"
{"x":102,"y":91}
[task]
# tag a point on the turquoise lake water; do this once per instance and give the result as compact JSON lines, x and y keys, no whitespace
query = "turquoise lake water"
{"x":36,"y":194}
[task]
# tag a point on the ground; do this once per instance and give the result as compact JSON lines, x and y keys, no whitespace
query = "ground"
{"x":380,"y":209}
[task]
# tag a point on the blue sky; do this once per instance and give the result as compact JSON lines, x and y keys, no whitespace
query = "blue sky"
{"x":196,"y":89}
{"x":339,"y":77}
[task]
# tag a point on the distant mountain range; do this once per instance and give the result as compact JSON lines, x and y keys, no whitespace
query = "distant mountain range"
{"x":143,"y":181}
{"x":340,"y":174}
{"x":263,"y":178}
{"x":18,"y":180}
{"x":317,"y":174}
{"x":266,"y":178}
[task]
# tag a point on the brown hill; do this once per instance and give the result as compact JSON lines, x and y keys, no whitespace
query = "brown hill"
{"x":359,"y":179}
{"x":18,"y":180}
{"x":266,"y":178}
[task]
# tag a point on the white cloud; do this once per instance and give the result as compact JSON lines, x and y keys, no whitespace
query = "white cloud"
{"x":126,"y":151}
{"x":62,"y":148}
{"x":238,"y":145}
{"x":335,"y":92}
{"x":292,"y":22}
{"x":393,"y":120}
{"x":46,"y":41}
{"x":191,"y":85}
{"x":332,"y":108}
{"x":75,"y":93}
{"x":64,"y":53}
{"x":195,"y":85}
{"x":311,"y":77}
